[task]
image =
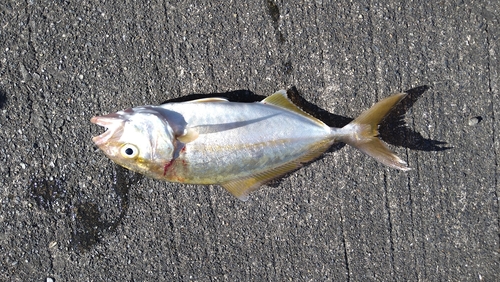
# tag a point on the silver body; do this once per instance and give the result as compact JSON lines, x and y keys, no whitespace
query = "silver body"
{"x":240,"y":139}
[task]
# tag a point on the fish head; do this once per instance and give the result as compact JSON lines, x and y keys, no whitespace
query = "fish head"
{"x":139,"y":139}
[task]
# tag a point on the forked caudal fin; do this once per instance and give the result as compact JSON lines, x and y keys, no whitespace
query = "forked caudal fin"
{"x":362,"y":133}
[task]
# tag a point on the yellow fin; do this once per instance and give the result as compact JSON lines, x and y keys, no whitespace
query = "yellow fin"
{"x":379,"y":151}
{"x":189,"y":135}
{"x":374,"y":115}
{"x":280,"y":99}
{"x":208,"y":100}
{"x":242,"y":187}
{"x":362,"y":133}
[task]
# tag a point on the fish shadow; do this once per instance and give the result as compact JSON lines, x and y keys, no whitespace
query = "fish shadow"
{"x":393,"y":129}
{"x":244,"y":96}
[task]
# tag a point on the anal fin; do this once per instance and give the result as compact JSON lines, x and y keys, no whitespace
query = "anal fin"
{"x":242,"y":187}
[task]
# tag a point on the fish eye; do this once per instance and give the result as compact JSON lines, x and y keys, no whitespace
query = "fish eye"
{"x":129,"y":151}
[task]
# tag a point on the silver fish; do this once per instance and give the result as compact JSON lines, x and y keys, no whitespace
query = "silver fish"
{"x":239,"y":146}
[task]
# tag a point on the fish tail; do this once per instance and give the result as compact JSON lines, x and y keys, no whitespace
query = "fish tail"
{"x":362,"y":133}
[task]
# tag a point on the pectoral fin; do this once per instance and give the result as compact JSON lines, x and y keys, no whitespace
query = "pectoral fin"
{"x":190,"y":134}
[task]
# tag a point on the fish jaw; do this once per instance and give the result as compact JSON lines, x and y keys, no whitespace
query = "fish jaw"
{"x":114,"y":126}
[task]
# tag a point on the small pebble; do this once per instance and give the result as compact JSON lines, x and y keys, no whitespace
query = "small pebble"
{"x":475,"y":120}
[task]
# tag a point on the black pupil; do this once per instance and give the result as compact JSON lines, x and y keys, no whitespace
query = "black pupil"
{"x":129,"y":151}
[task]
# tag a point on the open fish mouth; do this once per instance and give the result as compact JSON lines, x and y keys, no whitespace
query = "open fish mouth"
{"x":113,"y":124}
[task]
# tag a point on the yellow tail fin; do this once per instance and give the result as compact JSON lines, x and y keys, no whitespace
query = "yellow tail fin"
{"x":362,"y":133}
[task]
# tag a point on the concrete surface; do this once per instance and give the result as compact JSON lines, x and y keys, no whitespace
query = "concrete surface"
{"x":68,"y":214}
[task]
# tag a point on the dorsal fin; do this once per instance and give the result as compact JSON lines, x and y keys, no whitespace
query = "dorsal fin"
{"x":280,"y":99}
{"x":208,"y":100}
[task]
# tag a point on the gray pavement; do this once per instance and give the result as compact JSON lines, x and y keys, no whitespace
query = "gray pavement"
{"x":67,"y":213}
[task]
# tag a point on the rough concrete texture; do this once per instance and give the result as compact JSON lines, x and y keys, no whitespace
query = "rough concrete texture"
{"x":69,"y":214}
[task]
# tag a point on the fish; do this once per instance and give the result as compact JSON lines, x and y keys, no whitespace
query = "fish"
{"x":239,"y":146}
